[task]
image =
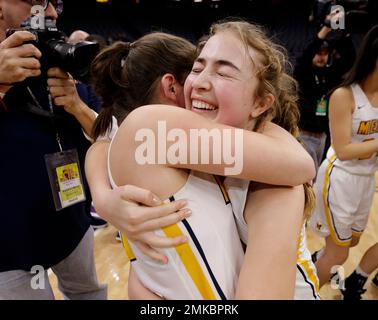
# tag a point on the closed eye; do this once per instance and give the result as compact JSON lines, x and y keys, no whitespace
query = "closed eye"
{"x":223,"y":74}
{"x":196,"y":70}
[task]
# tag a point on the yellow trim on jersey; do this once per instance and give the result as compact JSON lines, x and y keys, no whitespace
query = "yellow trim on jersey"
{"x":327,"y":212}
{"x":191,"y":264}
{"x":223,"y":189}
{"x":310,"y":273}
{"x":129,"y":252}
{"x":188,"y":259}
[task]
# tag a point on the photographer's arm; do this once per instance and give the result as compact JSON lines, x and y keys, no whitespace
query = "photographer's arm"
{"x":63,"y":90}
{"x":322,"y":34}
{"x":314,"y":45}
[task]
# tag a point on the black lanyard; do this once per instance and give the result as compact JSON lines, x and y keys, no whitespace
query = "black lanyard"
{"x":50,"y":113}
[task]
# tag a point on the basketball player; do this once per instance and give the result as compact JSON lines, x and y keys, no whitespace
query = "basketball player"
{"x":346,"y":184}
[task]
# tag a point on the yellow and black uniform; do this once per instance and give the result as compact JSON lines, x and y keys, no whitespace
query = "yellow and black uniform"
{"x":307,"y":283}
{"x":207,"y":267}
{"x":345,"y":189}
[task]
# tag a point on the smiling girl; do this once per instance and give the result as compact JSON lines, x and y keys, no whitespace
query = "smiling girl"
{"x":232,"y":85}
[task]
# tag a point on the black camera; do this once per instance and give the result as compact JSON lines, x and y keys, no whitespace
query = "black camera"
{"x":56,"y":52}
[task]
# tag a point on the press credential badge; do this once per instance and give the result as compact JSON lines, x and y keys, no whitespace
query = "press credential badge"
{"x":65,"y":179}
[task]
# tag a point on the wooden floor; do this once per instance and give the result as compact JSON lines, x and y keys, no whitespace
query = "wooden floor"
{"x":113,"y":266}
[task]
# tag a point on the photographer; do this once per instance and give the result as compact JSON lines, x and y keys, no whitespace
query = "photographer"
{"x":34,"y":234}
{"x":319,"y":69}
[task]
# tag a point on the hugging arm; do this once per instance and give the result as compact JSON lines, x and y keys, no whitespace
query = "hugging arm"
{"x":275,"y":158}
{"x":269,"y":267}
{"x":134,"y":211}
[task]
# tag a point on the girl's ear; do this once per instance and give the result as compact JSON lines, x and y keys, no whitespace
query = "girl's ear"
{"x":262,"y":105}
{"x":168,"y":82}
{"x":169,"y":87}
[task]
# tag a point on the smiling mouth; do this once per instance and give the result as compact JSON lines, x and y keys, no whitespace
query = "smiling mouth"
{"x":203,"y":106}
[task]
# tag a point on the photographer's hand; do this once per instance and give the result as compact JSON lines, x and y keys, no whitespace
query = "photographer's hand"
{"x":18,"y":60}
{"x":63,"y":90}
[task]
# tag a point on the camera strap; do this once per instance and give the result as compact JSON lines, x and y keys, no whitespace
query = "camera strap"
{"x":39,"y":110}
{"x":63,"y":168}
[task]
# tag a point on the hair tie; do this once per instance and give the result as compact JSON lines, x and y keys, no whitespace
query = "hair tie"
{"x":129,"y":45}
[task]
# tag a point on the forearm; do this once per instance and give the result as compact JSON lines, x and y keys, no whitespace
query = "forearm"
{"x":264,"y":159}
{"x":96,"y":173}
{"x":269,"y":266}
{"x":287,"y":162}
{"x":362,"y":150}
{"x":85,"y":116}
{"x":322,"y":34}
{"x":270,"y":158}
{"x":107,"y":201}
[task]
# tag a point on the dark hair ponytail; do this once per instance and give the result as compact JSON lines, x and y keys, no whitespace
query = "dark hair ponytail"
{"x":107,"y":68}
{"x":126,"y":76}
{"x":366,"y":59}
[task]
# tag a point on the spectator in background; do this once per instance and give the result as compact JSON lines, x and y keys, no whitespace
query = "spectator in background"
{"x":318,"y":70}
{"x":85,"y":91}
{"x":29,"y":129}
{"x":77,"y":36}
{"x":88,"y":95}
{"x":98,"y":39}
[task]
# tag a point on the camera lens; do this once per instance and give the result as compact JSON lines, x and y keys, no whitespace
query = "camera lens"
{"x":75,"y":59}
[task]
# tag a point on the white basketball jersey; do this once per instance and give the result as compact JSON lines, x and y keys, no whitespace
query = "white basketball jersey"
{"x":208,"y":266}
{"x":307,"y":283}
{"x":364,"y":128}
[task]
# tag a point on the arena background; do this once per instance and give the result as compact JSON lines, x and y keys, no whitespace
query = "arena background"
{"x":286,"y":20}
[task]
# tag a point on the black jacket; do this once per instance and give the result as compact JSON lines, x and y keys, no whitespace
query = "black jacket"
{"x":32,"y":231}
{"x":314,"y":83}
